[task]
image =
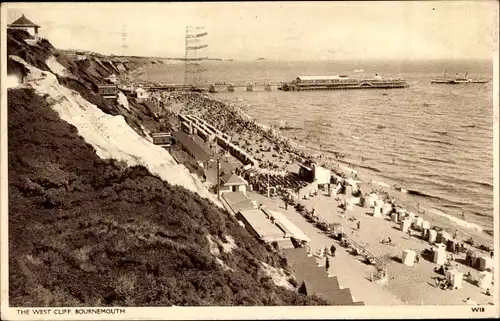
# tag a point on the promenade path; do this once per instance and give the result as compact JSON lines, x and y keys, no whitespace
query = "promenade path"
{"x":406,"y":285}
{"x":351,"y":273}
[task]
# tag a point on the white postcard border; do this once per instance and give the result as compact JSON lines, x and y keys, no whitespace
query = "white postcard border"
{"x":211,"y":313}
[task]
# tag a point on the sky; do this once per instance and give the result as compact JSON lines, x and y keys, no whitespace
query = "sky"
{"x":274,"y":30}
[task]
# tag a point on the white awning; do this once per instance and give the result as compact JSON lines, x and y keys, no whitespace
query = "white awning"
{"x":320,"y":77}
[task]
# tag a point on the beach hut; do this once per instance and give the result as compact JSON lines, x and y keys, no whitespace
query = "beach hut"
{"x":484,"y":280}
{"x":306,"y":173}
{"x":394,"y":217}
{"x":439,"y":256}
{"x":405,"y":225}
{"x":411,"y":215}
{"x":472,"y":258}
{"x":370,"y":200}
{"x":336,"y":190}
{"x":455,"y":278}
{"x":386,"y":209}
{"x":408,"y":257}
{"x":348,"y":190}
{"x":452,"y":245}
{"x":432,"y":236}
{"x":417,"y":223}
{"x":379,"y":203}
{"x":355,"y":200}
{"x":485,"y":263}
{"x":377,"y":211}
{"x":141,"y":94}
{"x":426,"y":225}
{"x":349,"y":204}
{"x":443,"y":237}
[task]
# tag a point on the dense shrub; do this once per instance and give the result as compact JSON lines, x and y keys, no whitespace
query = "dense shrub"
{"x":102,"y":234}
{"x":90,"y":232}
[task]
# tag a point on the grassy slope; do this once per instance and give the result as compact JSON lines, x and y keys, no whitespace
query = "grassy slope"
{"x":86,"y":231}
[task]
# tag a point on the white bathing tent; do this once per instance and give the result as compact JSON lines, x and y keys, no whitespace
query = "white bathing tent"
{"x":408,"y":257}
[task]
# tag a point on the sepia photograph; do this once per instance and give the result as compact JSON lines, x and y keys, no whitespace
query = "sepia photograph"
{"x":229,"y":160}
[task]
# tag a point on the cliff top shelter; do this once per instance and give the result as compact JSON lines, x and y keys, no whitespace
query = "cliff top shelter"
{"x":233,"y":183}
{"x":25,"y":24}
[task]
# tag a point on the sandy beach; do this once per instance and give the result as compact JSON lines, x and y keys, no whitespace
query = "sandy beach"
{"x":279,"y":155}
{"x":406,"y":285}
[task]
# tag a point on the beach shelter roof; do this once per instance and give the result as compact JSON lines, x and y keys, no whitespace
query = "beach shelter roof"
{"x":306,"y":268}
{"x":266,"y":230}
{"x":152,"y":107}
{"x":289,"y":226}
{"x":322,"y":284}
{"x":238,"y":201}
{"x":335,"y":297}
{"x":297,"y":253}
{"x":233,"y":179}
{"x":198,"y":152}
{"x":23,"y":22}
{"x":305,"y":167}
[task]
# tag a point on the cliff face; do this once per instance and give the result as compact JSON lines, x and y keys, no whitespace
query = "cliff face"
{"x":90,"y":225}
{"x":87,"y":74}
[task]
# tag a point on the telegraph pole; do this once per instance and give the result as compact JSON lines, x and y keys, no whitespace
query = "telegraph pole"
{"x":192,"y":43}
{"x":268,"y":188}
{"x":218,"y":170}
{"x":218,"y":179}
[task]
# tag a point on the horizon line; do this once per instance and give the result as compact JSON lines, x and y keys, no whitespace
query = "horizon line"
{"x":261,"y":59}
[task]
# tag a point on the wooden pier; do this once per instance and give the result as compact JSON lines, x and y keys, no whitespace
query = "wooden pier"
{"x":214,"y":88}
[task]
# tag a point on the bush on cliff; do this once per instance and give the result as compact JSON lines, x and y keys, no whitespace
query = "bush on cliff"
{"x":90,"y":232}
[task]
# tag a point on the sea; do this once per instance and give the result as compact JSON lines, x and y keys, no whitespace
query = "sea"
{"x":433,"y":140}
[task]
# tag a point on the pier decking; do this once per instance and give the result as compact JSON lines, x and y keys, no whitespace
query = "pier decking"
{"x":217,"y":87}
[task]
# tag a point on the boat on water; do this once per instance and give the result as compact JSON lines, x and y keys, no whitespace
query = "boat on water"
{"x":459,"y":80}
{"x":341,"y":82}
{"x":358,"y":70}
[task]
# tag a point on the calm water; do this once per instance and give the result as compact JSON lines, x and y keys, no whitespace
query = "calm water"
{"x":420,"y":138}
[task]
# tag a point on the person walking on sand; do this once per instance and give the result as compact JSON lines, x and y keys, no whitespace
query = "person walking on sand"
{"x":332,"y":250}
{"x":286,"y":204}
{"x":358,"y":225}
{"x":409,"y":233}
{"x":327,"y":264}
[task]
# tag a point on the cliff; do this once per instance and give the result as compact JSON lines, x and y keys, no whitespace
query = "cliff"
{"x":99,"y":216}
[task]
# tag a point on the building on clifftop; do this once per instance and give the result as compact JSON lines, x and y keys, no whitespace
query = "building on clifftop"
{"x":25,"y":24}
